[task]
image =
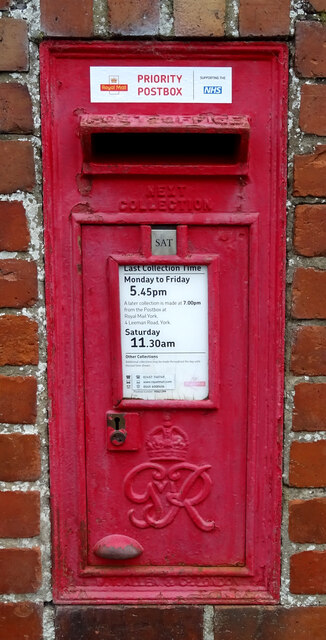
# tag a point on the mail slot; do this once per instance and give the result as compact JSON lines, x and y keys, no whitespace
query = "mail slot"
{"x":206,"y":144}
{"x":164,"y":195}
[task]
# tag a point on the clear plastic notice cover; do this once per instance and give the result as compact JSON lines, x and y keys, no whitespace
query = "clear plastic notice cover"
{"x":164,"y":331}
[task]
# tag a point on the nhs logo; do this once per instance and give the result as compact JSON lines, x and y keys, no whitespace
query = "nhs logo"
{"x":213,"y":90}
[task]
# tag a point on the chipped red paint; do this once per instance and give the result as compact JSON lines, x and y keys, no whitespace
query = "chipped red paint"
{"x":196,"y":484}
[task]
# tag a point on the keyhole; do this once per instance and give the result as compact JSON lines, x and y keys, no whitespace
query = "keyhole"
{"x":117,"y":424}
{"x":116,"y":421}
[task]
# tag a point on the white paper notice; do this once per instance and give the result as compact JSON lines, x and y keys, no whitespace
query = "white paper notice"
{"x":164,"y":331}
{"x":161,"y":84}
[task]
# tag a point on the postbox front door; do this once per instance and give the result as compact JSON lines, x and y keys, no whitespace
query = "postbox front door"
{"x":176,"y":483}
{"x":164,"y":227}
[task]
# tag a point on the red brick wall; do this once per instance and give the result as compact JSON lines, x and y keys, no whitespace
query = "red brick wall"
{"x":20,"y":437}
{"x":308,"y":351}
{"x":24,"y":580}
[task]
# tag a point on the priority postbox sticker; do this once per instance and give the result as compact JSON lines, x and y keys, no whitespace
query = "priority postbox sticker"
{"x":161,"y":84}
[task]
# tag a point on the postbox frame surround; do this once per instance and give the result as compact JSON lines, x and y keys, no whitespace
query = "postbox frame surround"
{"x":225,"y":584}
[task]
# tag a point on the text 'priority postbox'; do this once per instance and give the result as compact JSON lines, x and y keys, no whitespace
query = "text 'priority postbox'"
{"x":164,"y":188}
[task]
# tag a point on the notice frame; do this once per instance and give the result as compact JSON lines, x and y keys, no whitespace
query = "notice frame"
{"x":114,"y":263}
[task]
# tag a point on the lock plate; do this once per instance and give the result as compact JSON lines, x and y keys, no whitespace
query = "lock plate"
{"x":123,"y":431}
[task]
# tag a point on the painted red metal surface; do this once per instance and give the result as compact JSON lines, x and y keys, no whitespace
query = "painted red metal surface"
{"x":195,"y":485}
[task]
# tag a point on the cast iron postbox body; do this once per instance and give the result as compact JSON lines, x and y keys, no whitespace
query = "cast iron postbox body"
{"x":164,"y":187}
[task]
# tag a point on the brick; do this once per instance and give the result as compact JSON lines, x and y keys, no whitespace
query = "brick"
{"x":19,"y":457}
{"x":15,"y":108}
{"x":310,"y":49}
{"x":269,"y":623}
{"x":312,"y":109}
{"x":310,"y":230}
{"x":20,"y":570}
{"x":309,"y":413}
{"x":132,"y":18}
{"x":17,"y":173}
{"x":308,"y":572}
{"x":308,"y":464}
{"x":4,"y":4}
{"x":193,"y":18}
{"x":261,"y":18}
{"x":18,"y":340}
{"x":309,"y":351}
{"x":147,"y":623}
{"x":318,"y":5}
{"x":18,"y":399}
{"x":310,"y":173}
{"x":20,"y":621}
{"x":14,"y":234}
{"x":20,"y":514}
{"x":307,"y":520}
{"x":13,"y":45}
{"x":18,"y":283}
{"x":309,"y":294}
{"x":70,"y":19}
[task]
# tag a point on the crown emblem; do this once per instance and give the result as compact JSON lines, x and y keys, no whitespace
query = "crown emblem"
{"x":167,"y":442}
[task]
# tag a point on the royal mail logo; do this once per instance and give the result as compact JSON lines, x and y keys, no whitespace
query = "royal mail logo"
{"x":213,"y":90}
{"x":194,"y":383}
{"x":114,"y":85}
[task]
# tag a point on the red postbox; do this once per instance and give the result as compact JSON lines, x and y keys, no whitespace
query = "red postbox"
{"x":165,"y":181}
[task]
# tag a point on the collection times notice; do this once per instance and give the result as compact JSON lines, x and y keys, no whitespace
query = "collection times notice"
{"x":164,"y":331}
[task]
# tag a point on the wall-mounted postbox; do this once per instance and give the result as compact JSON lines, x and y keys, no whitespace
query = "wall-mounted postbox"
{"x":164,"y":205}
